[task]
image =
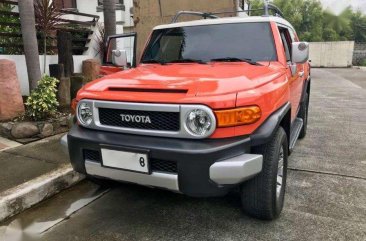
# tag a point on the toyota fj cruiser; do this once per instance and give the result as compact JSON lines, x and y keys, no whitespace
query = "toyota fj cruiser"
{"x":214,"y":104}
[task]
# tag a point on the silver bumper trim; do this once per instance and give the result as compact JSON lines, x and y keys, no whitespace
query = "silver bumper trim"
{"x":236,"y":169}
{"x":64,"y":144}
{"x":155,"y":179}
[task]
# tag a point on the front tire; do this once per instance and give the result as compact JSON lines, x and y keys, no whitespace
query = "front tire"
{"x":263,"y":196}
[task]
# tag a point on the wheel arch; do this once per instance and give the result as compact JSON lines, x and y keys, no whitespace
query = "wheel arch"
{"x":306,"y":89}
{"x":286,"y":125}
{"x":281,"y":117}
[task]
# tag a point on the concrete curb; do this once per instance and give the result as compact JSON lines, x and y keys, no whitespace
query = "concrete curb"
{"x":7,"y":143}
{"x":360,"y":67}
{"x":19,"y":198}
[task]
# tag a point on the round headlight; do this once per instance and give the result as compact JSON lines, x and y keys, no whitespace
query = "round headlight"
{"x":85,"y":114}
{"x":199,"y":122}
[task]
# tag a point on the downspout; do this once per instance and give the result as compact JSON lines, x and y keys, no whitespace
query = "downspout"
{"x":161,"y":12}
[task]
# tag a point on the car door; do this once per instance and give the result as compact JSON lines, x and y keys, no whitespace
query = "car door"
{"x":295,"y":71}
{"x":126,"y":42}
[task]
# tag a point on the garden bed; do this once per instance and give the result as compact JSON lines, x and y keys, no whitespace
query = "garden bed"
{"x":25,"y":131}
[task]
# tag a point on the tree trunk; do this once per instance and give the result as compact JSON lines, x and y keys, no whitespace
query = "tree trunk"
{"x":109,"y":11}
{"x":27,"y":20}
{"x":44,"y":53}
{"x":64,"y":48}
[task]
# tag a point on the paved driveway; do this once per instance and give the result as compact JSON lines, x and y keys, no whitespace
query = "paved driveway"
{"x":326,"y":193}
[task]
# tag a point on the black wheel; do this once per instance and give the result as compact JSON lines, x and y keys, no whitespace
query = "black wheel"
{"x":303,"y":114}
{"x":263,"y":196}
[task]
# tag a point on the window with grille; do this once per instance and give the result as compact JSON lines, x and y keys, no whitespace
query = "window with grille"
{"x":65,"y":3}
{"x":100,"y":2}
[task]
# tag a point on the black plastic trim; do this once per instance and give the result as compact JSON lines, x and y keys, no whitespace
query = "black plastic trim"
{"x":306,"y":86}
{"x":193,"y":157}
{"x":267,"y":129}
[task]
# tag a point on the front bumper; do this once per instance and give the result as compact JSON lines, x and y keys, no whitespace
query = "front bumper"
{"x":209,"y":167}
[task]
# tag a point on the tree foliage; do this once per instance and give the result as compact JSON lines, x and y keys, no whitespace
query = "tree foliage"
{"x":312,"y":23}
{"x":47,"y":17}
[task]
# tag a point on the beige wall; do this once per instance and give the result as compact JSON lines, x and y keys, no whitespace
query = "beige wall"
{"x":331,"y":54}
{"x":148,"y":13}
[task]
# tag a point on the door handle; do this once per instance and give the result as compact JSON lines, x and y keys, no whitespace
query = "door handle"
{"x":301,"y":73}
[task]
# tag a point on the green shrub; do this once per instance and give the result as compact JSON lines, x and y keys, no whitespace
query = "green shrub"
{"x":42,"y":103}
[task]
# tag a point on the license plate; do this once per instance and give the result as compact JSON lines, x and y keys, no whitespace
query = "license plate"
{"x":126,"y":160}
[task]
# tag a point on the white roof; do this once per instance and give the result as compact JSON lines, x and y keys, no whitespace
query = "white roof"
{"x":201,"y":22}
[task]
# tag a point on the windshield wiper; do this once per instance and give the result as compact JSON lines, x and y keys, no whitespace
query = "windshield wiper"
{"x":153,"y":61}
{"x":187,"y":61}
{"x":233,"y":59}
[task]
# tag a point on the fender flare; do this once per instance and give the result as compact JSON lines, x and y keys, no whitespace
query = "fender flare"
{"x":268,"y":128}
{"x":306,"y":87}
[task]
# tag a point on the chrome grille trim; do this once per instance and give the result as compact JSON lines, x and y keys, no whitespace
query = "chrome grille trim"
{"x":135,"y":106}
{"x":148,"y":120}
{"x":182,"y":109}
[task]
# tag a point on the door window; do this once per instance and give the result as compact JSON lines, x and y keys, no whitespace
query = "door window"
{"x":125,"y":42}
{"x":287,"y":42}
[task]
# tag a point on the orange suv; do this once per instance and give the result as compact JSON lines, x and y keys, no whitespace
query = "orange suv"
{"x":214,"y":105}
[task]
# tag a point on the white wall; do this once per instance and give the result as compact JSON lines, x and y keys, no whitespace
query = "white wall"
{"x":51,"y":59}
{"x":128,"y":17}
{"x":123,"y":19}
{"x":90,"y":7}
{"x":331,"y":54}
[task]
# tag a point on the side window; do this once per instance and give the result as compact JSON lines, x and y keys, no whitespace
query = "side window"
{"x":286,"y":41}
{"x":293,"y":36}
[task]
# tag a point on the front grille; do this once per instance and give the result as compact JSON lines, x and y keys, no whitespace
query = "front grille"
{"x":163,"y":166}
{"x":163,"y":121}
{"x":92,"y":155}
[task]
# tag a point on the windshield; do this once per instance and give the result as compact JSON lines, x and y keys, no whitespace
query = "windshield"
{"x":250,"y":41}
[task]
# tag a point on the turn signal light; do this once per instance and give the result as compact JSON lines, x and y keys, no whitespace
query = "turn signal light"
{"x":238,"y":116}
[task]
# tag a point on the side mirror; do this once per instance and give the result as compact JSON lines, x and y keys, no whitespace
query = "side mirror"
{"x":300,"y":52}
{"x":119,"y":58}
{"x":116,"y":50}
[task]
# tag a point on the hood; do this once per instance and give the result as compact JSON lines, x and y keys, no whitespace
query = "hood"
{"x":215,"y":84}
{"x":192,"y":79}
